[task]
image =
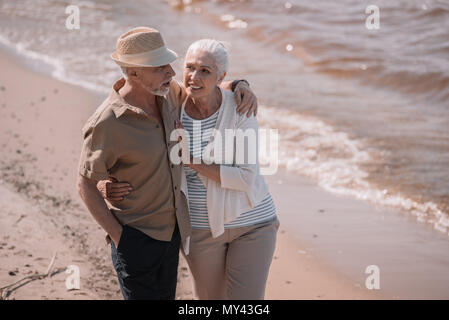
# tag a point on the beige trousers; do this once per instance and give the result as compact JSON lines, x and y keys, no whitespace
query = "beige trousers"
{"x":234,"y":265}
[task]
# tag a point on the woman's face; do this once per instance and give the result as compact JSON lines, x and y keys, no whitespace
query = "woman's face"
{"x":201,"y":74}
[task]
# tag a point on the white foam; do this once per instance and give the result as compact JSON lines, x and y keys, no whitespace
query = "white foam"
{"x":310,"y":147}
{"x":53,"y":66}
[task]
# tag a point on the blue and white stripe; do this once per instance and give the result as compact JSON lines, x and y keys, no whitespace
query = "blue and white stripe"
{"x":264,"y":211}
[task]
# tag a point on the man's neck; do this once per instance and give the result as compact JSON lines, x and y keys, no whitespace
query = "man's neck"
{"x":142,"y":99}
{"x":138,"y":96}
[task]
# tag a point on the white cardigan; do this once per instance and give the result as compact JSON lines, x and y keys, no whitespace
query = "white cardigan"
{"x":242,"y":186}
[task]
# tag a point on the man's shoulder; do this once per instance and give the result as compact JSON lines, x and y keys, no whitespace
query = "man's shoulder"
{"x":102,"y":116}
{"x":177,"y":93}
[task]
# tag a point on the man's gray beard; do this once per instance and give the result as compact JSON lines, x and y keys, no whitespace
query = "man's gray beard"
{"x":160,"y":92}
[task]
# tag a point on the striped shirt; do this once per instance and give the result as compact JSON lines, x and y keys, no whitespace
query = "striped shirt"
{"x":200,"y":132}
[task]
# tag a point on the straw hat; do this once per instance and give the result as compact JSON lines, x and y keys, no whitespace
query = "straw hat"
{"x":142,"y":47}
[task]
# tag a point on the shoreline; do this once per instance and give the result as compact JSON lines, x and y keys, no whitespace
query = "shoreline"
{"x":39,"y":170}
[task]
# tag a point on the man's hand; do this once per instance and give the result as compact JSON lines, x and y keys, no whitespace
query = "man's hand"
{"x":113,"y":190}
{"x":116,"y":236}
{"x":94,"y":201}
{"x":246,"y":99}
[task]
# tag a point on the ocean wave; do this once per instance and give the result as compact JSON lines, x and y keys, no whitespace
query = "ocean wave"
{"x":309,"y":146}
{"x":53,"y":66}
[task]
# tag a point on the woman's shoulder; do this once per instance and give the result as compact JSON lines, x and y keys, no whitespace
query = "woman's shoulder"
{"x":230,"y":106}
{"x":228,"y":99}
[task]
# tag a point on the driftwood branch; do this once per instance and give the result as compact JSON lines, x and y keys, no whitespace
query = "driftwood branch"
{"x":7,"y":290}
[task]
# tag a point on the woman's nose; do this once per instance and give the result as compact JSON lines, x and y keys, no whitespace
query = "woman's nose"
{"x":194,"y":75}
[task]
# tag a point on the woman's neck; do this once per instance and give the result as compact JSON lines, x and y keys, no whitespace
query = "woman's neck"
{"x":204,"y":107}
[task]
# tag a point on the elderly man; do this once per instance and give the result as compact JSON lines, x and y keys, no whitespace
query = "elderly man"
{"x":127,"y":139}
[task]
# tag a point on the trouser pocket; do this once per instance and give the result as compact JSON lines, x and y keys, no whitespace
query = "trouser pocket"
{"x":146,"y":267}
{"x":138,"y":253}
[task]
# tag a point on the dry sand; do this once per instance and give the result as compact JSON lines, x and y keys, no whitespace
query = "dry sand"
{"x":40,"y":141}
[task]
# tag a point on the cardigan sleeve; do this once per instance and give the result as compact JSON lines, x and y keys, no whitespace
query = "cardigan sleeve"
{"x":242,"y":174}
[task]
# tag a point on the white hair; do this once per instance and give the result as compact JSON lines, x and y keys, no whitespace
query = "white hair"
{"x":125,"y":75}
{"x":216,"y":48}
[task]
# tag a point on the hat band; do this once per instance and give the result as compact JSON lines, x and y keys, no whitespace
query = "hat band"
{"x":144,"y":57}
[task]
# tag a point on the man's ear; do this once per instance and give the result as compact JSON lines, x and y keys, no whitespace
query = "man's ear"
{"x":132,"y":72}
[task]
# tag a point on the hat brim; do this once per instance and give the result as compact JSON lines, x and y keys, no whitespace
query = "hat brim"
{"x":168,"y":57}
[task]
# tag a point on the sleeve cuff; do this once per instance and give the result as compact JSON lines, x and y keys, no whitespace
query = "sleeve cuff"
{"x":230,"y":178}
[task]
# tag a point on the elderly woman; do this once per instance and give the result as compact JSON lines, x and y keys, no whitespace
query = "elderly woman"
{"x":232,"y":215}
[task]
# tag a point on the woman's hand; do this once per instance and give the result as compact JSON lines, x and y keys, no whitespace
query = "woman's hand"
{"x":246,"y":99}
{"x":113,"y":190}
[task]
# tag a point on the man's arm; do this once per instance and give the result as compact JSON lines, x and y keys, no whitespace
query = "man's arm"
{"x":226,"y":85}
{"x":244,"y":97}
{"x":95,"y":203}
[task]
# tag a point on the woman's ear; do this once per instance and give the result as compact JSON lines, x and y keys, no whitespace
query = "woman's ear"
{"x":220,"y":79}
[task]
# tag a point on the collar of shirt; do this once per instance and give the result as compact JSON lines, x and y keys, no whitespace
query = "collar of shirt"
{"x":119,"y":106}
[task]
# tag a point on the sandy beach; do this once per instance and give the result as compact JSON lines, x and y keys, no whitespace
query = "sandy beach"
{"x":42,"y":214}
{"x":361,"y":190}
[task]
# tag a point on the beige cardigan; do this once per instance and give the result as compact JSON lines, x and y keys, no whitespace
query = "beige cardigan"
{"x":242,"y":186}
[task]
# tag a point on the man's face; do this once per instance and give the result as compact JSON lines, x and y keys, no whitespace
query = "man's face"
{"x":155,"y":80}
